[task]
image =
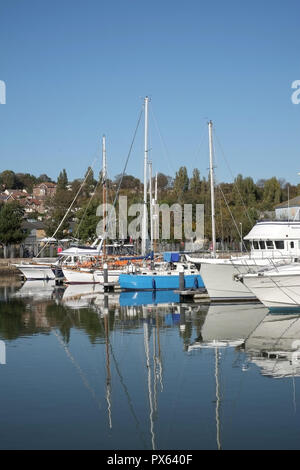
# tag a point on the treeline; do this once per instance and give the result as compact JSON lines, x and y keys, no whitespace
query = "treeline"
{"x":237,"y":205}
{"x":11,"y":180}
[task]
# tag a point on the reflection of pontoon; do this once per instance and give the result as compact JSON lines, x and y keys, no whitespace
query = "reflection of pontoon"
{"x":274,"y":346}
{"x":229,"y":325}
{"x":148,"y":298}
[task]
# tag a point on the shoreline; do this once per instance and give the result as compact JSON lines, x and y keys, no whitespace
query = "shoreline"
{"x":8,"y":270}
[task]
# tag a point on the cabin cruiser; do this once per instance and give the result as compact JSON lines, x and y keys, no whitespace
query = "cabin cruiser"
{"x":276,"y":288}
{"x":271,"y":243}
{"x":51,"y":268}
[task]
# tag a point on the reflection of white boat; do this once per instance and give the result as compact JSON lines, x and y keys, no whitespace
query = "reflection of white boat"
{"x":37,"y":289}
{"x":229,"y":325}
{"x":82,"y":295}
{"x":274,"y":346}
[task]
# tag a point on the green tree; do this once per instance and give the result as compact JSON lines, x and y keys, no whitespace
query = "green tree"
{"x":181,"y":182}
{"x":8,"y":179}
{"x":57,"y":207}
{"x":90,"y":182}
{"x":272,"y":193}
{"x":162,"y":182}
{"x":11,"y":217}
{"x":25,"y":181}
{"x":195,"y":182}
{"x":44,"y":179}
{"x":62,"y":180}
{"x":87,"y":221}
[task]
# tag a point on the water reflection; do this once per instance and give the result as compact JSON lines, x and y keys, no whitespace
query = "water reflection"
{"x":142,"y":341}
{"x":274,"y":346}
{"x":229,"y":325}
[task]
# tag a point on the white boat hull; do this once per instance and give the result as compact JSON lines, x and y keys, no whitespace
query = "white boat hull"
{"x":76,"y":276}
{"x":220,"y":276}
{"x":275,"y":291}
{"x":220,"y":282}
{"x":41,"y":272}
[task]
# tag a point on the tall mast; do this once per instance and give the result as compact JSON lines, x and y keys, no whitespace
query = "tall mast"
{"x":151,"y":205}
{"x":104,"y":177}
{"x":155,"y":214}
{"x":212,"y":189}
{"x":144,"y":227}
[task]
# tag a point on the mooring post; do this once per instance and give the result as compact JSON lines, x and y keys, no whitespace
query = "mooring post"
{"x":105,"y":277}
{"x":181,"y":281}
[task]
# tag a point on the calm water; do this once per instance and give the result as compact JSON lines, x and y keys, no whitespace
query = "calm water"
{"x":143,"y":372}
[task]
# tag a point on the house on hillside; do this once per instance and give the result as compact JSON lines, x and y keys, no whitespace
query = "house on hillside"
{"x":44,"y":190}
{"x":16,"y":194}
{"x":32,"y":205}
{"x":288,"y":210}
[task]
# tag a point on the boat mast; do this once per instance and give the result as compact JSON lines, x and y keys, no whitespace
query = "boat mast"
{"x":104,"y":177}
{"x":144,"y":227}
{"x":212,"y":189}
{"x":151,"y":205}
{"x":155,"y":216}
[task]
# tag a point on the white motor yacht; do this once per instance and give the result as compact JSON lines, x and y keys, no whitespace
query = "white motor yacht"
{"x":271,"y":243}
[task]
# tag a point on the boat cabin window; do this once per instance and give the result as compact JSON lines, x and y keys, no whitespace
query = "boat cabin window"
{"x":292,"y":244}
{"x":279,"y":244}
{"x":255,"y":245}
{"x":262,"y":245}
{"x":269,"y":244}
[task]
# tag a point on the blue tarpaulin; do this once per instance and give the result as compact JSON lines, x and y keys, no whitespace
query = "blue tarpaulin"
{"x":171,"y":257}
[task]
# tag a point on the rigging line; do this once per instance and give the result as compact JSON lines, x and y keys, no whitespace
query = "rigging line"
{"x":138,"y":426}
{"x":82,"y":218}
{"x":63,"y":219}
{"x":77,"y":366}
{"x":237,"y":229}
{"x":162,"y":141}
{"x":227,"y":164}
{"x":168,"y":159}
{"x":218,"y":398}
{"x":124,"y":170}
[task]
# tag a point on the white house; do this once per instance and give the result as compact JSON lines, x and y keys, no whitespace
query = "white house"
{"x":288,"y":210}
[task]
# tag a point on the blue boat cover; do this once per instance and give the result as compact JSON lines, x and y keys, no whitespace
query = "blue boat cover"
{"x":171,"y":257}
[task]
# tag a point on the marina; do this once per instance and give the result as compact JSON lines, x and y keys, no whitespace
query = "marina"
{"x":149,"y":228}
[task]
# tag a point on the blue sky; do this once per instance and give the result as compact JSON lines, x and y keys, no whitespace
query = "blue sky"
{"x":75,"y":70}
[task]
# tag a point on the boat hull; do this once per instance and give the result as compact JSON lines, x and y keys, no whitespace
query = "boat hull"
{"x":220,"y":277}
{"x":158,"y":282}
{"x":74,"y":276}
{"x":31,"y":272}
{"x":220,"y":282}
{"x":276,"y":292}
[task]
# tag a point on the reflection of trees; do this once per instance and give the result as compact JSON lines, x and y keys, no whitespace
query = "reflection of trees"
{"x":85,"y":319}
{"x":20,"y":317}
{"x":188,"y":324}
{"x":16,"y":320}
